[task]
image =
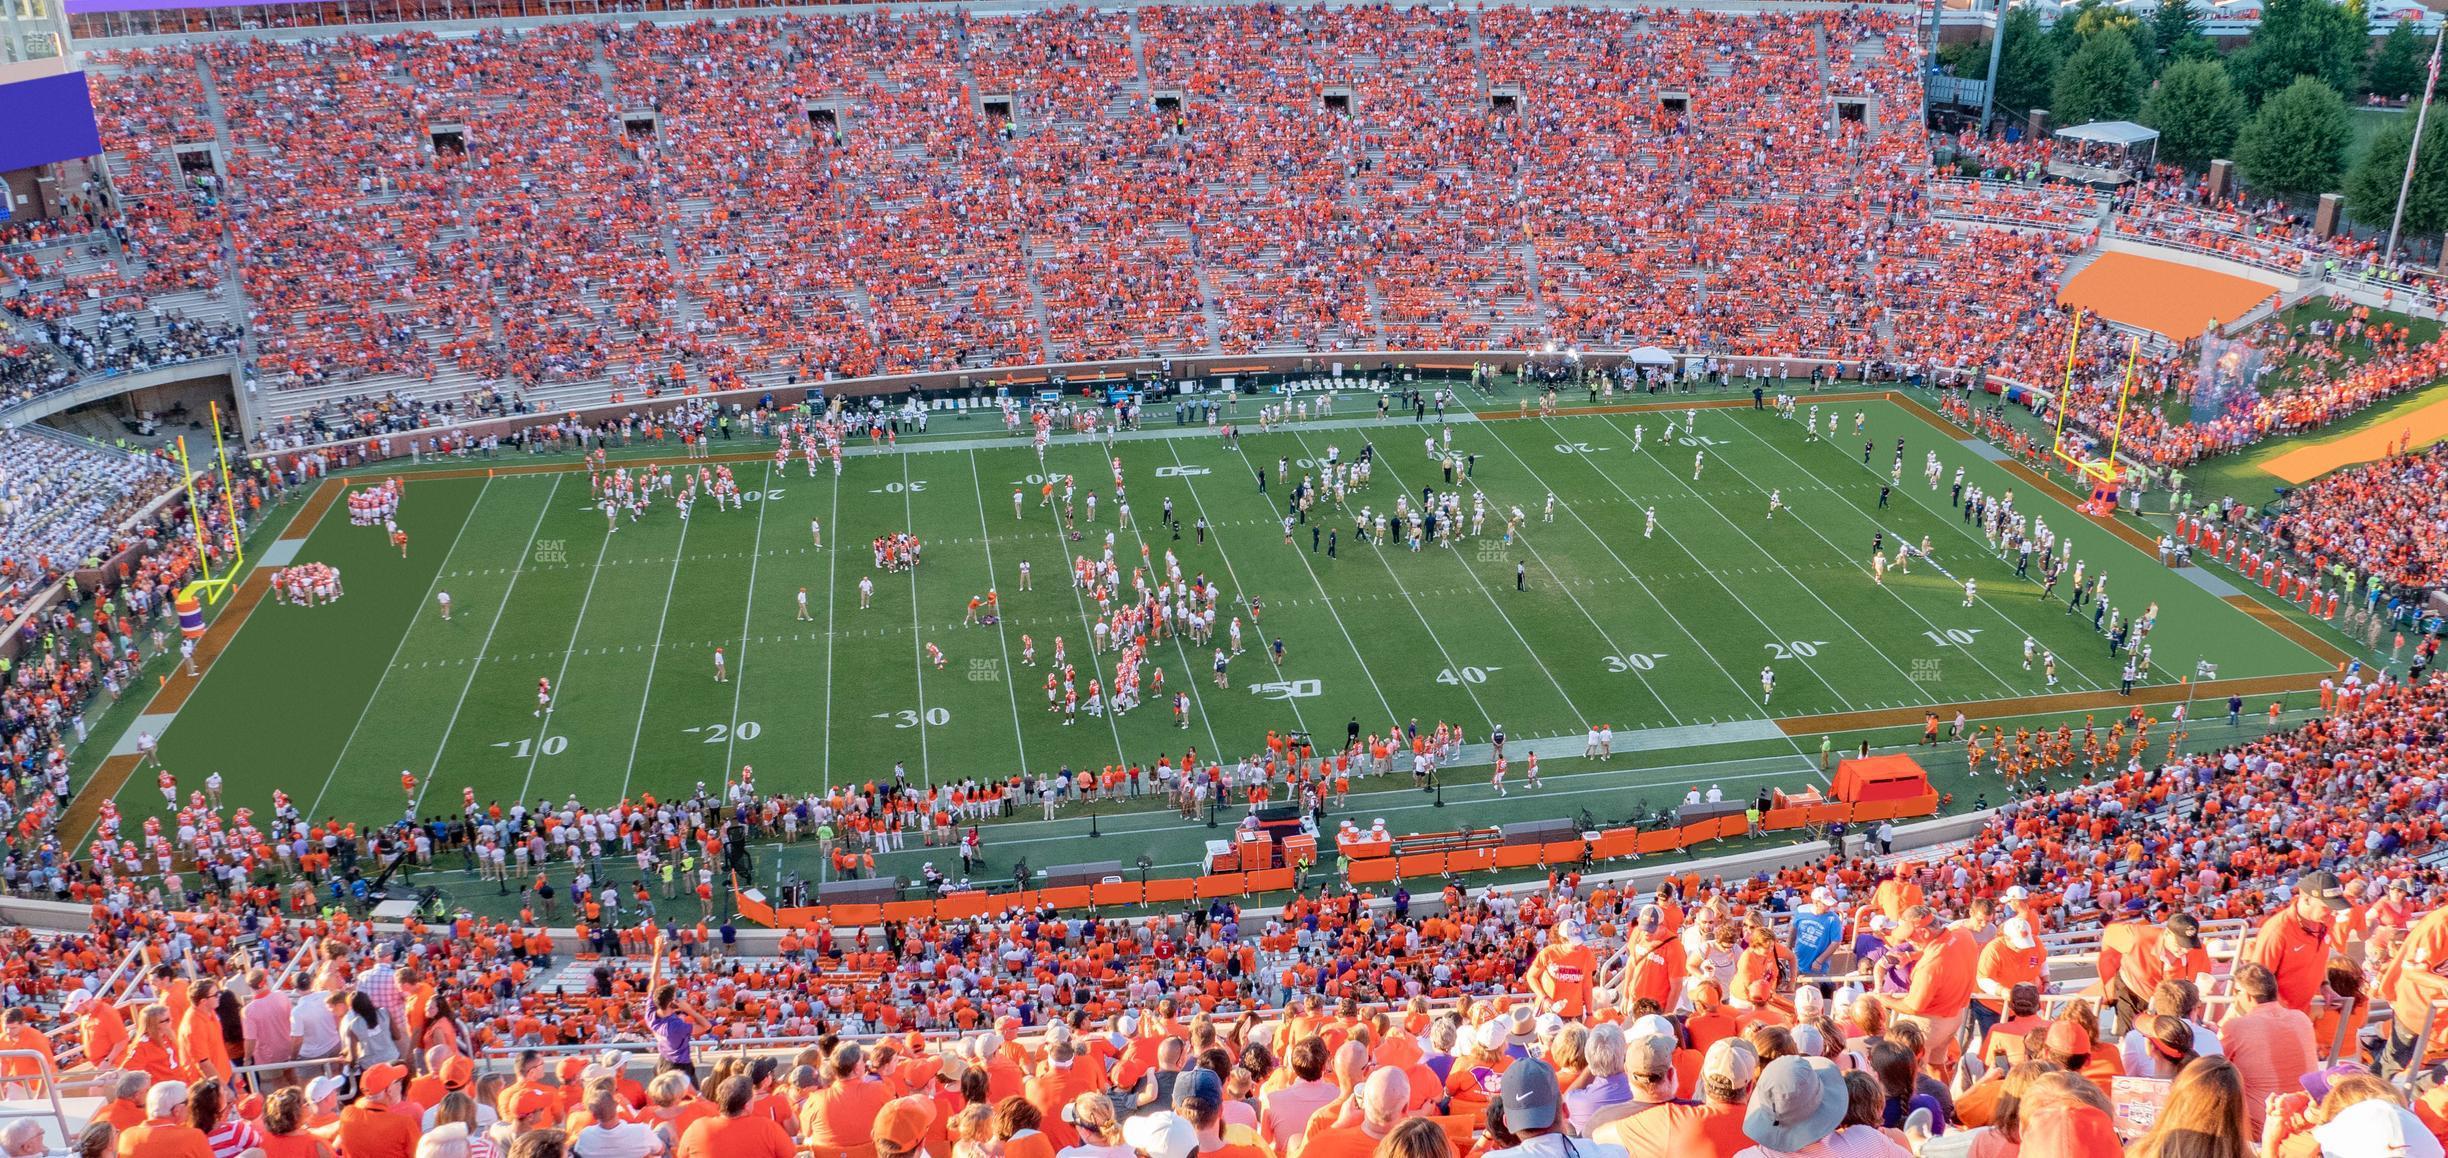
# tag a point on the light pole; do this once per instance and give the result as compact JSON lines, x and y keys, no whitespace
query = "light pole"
{"x":2414,"y":147}
{"x":1997,"y":43}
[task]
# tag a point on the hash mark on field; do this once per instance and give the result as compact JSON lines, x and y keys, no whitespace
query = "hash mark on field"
{"x":1011,"y":682}
{"x":434,"y":766}
{"x":436,"y":585}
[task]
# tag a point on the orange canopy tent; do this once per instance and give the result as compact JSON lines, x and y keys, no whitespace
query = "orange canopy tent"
{"x":1879,"y":778}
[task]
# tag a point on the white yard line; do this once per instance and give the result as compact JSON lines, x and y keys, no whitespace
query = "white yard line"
{"x":1213,"y":528}
{"x":1190,"y":663}
{"x":1011,"y":675}
{"x":1926,"y":621}
{"x":1982,"y":547}
{"x":1581,"y":719}
{"x":832,"y":628}
{"x":376,"y":696}
{"x":1377,"y":552}
{"x":1096,"y":662}
{"x":1610,"y":480}
{"x":1688,"y":634}
{"x":646,"y":694}
{"x":739,"y":663}
{"x":909,"y":522}
{"x":1604,"y":636}
{"x":1704,"y":651}
{"x":425,"y":784}
{"x":1673,"y":471}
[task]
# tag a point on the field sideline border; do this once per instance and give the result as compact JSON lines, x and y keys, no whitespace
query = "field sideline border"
{"x":111,"y":776}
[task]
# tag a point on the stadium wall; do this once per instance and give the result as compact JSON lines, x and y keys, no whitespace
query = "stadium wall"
{"x":2178,"y":254}
{"x":1025,"y":381}
{"x":222,"y":368}
{"x":1640,"y":876}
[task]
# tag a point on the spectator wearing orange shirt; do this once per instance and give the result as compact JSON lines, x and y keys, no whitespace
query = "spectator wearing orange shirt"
{"x":2136,"y":956}
{"x":1944,"y":963}
{"x":1561,"y":974}
{"x":1657,"y":961}
{"x":165,"y":1133}
{"x":737,"y":1133}
{"x":2416,"y":979}
{"x":199,"y":1032}
{"x":2003,"y":1046}
{"x":126,"y":1109}
{"x":17,"y":1032}
{"x":2011,"y":958}
{"x":1015,"y":1125}
{"x":372,"y":1126}
{"x":155,"y":1052}
{"x":2270,"y":1042}
{"x":841,"y":1115}
{"x":2294,"y":944}
{"x":100,"y":1026}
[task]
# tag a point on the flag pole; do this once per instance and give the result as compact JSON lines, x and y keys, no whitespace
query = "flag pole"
{"x":2405,"y":187}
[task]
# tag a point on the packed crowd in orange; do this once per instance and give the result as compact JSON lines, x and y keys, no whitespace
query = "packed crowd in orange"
{"x":1684,"y":1019}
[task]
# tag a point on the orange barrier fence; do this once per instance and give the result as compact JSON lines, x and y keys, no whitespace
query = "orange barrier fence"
{"x":1612,"y":844}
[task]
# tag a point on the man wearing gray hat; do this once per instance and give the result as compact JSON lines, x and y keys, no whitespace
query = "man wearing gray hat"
{"x":1533,"y":1109}
{"x":1649,"y":1068}
{"x":1715,"y":1125}
{"x":1798,"y":1103}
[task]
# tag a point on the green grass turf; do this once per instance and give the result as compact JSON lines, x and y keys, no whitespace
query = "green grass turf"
{"x":331,"y":703}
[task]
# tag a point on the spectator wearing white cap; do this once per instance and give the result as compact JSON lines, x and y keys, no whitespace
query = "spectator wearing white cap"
{"x":1163,"y":1134}
{"x":2358,"y":1114}
{"x":2012,"y":958}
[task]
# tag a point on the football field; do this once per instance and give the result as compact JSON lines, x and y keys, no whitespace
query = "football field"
{"x":1661,"y":633}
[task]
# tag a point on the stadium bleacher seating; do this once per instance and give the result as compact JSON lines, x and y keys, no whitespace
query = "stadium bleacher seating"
{"x":668,"y":206}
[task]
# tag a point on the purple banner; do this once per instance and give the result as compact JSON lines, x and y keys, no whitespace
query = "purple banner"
{"x":50,"y":119}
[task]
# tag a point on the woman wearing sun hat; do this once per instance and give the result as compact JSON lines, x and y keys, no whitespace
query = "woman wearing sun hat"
{"x":1795,"y":1111}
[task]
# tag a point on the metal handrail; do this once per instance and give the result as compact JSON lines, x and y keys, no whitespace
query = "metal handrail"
{"x":48,"y":1074}
{"x":499,"y":1055}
